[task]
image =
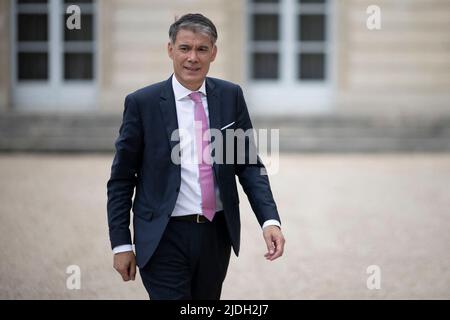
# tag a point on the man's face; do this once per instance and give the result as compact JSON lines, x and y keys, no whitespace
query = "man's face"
{"x":192,"y":54}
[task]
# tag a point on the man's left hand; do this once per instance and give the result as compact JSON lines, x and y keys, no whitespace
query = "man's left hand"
{"x":275,"y":242}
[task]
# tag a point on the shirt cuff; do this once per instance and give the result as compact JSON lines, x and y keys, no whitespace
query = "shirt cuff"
{"x":123,"y":248}
{"x":272,"y":222}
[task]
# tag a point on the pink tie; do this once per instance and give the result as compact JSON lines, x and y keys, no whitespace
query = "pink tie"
{"x":204,"y":158}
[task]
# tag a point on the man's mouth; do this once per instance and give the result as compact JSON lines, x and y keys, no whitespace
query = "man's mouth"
{"x":192,"y":69}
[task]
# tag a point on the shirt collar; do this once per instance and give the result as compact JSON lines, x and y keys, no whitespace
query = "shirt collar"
{"x":181,"y":92}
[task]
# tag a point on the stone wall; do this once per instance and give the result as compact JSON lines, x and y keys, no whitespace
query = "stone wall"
{"x":403,"y":68}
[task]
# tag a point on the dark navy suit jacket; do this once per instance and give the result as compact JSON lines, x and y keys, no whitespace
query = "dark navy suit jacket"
{"x":142,"y":163}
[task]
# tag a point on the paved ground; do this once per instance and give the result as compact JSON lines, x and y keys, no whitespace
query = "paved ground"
{"x":341,"y":214}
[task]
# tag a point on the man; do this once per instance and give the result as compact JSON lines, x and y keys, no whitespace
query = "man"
{"x":186,"y":215}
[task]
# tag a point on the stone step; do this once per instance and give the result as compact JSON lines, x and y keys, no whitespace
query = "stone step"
{"x":96,"y":132}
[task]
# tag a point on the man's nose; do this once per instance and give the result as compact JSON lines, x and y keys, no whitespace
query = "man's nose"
{"x":193,"y":56}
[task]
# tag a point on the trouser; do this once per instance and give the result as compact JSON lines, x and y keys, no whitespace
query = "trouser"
{"x":190,"y":262}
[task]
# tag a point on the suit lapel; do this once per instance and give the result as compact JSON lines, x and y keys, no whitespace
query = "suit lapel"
{"x":213,"y":104}
{"x":212,"y":95}
{"x":169,"y":112}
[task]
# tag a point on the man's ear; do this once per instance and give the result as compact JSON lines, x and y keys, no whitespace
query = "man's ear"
{"x":214,"y":53}
{"x":170,"y":49}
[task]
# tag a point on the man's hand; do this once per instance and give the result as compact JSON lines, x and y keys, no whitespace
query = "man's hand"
{"x":125,"y":264}
{"x":274,"y":241}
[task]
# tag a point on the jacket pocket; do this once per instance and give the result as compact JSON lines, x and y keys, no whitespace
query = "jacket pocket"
{"x":143,"y":214}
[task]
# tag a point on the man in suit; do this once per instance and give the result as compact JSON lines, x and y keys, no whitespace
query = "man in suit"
{"x":185,"y":213}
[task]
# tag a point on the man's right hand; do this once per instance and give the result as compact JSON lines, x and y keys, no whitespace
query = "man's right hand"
{"x":125,"y":264}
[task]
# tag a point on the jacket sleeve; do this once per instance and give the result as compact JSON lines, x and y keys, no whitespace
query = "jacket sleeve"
{"x":250,"y":170}
{"x":125,"y":168}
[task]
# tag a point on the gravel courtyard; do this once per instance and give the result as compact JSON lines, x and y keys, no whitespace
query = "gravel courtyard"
{"x":340,"y":215}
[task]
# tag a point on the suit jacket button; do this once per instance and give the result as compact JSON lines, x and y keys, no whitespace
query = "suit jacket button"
{"x":178,"y":189}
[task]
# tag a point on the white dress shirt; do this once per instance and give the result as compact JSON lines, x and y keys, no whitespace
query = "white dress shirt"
{"x":189,"y":198}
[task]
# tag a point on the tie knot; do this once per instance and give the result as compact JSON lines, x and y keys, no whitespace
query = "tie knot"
{"x":196,"y":97}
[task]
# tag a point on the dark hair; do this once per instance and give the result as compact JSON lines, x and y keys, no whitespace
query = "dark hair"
{"x":194,"y":22}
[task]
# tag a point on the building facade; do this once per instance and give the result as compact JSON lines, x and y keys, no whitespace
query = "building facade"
{"x":292,"y":57}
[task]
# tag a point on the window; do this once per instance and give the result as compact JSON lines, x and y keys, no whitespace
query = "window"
{"x":289,"y":53}
{"x":53,"y":66}
{"x":265,"y":37}
{"x":32,"y":40}
{"x":79,"y":44}
{"x":311,"y":37}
